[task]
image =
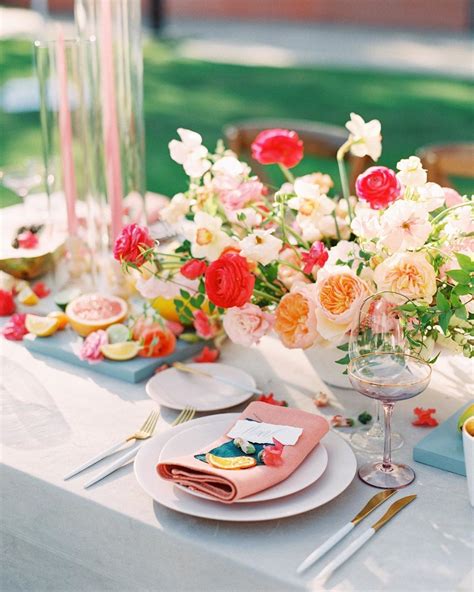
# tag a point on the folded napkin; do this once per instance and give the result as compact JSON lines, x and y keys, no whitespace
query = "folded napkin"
{"x":227,"y":486}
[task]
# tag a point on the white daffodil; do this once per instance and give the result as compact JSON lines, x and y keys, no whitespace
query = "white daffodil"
{"x":207,"y":239}
{"x":365,"y":137}
{"x":431,"y":195}
{"x":190,"y":153}
{"x":404,"y":226}
{"x":230,"y":167}
{"x":176,"y":209}
{"x":412,"y":173}
{"x":261,"y":246}
{"x":366,"y":223}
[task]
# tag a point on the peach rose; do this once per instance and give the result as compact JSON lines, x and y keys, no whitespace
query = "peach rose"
{"x":409,"y":274}
{"x":340,"y":293}
{"x":295,"y":317}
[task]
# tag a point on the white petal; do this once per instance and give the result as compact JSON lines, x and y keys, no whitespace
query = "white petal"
{"x":178,"y":151}
{"x":196,"y":167}
{"x":190,"y":138}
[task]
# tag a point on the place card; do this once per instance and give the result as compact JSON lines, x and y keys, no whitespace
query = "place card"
{"x":263,"y":433}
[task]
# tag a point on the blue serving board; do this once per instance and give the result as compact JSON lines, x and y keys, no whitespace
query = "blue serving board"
{"x":442,"y":447}
{"x":62,"y":346}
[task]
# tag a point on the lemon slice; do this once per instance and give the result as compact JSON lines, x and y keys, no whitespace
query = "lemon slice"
{"x":60,"y":317}
{"x":41,"y":326}
{"x":27,"y":296}
{"x":121,"y":351}
{"x":230,"y":464}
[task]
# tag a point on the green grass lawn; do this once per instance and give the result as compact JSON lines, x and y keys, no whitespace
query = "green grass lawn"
{"x":414,"y":109}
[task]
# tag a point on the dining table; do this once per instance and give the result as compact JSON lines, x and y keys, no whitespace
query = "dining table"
{"x":58,"y":536}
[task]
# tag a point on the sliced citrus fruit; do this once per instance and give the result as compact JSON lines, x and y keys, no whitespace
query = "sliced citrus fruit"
{"x":118,"y":333}
{"x":465,"y":415}
{"x":120,"y":351}
{"x":41,"y":326}
{"x":61,"y":318}
{"x":63,"y":298}
{"x":28,"y":297}
{"x":91,"y":312}
{"x":469,"y":426}
{"x":231,"y":463}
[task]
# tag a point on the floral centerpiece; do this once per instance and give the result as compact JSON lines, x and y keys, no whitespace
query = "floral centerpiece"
{"x":299,"y":261}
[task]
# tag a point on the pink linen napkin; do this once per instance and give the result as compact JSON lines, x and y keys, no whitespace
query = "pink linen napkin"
{"x":227,"y":486}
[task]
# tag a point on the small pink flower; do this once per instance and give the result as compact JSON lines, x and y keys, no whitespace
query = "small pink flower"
{"x":205,"y":327}
{"x":451,"y":197}
{"x":175,"y":327}
{"x":270,"y":400}
{"x":207,"y":355}
{"x":247,"y":324}
{"x":90,"y":349}
{"x":271,"y":455}
{"x":321,"y":400}
{"x":15,"y":329}
{"x":131,"y":243}
{"x":317,"y":256}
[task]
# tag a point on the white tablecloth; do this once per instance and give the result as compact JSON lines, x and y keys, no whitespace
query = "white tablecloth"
{"x":56,"y":536}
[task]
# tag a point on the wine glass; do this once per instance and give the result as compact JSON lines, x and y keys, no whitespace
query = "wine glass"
{"x":22,"y":179}
{"x":385,"y":367}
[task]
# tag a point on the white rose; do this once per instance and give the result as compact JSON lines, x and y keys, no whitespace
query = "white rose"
{"x":409,"y":274}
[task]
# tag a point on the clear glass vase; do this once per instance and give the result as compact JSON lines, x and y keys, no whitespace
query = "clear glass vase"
{"x":70,"y":115}
{"x":116,"y":27}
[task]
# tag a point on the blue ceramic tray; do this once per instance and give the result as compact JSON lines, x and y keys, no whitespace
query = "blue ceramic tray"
{"x":442,"y":447}
{"x":62,"y":346}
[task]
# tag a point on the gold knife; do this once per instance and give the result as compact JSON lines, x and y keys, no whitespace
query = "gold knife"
{"x":198,"y":372}
{"x":369,"y":533}
{"x":373,"y":503}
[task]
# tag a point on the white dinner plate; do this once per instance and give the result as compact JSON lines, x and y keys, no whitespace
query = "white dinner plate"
{"x":338,"y":475}
{"x":200,"y":435}
{"x":176,"y":390}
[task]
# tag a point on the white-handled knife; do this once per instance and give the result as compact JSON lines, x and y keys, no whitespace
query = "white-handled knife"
{"x":96,"y":459}
{"x":369,"y":507}
{"x":115,"y":465}
{"x":191,"y":370}
{"x":364,"y":537}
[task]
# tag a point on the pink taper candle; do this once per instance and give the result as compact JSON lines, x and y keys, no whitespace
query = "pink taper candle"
{"x":65,"y":136}
{"x":110,"y":122}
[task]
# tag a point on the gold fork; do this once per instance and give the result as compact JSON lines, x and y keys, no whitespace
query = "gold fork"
{"x":186,"y":415}
{"x":146,"y":431}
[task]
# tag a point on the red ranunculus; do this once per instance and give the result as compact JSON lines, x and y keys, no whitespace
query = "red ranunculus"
{"x":278,"y":146}
{"x":378,"y":186}
{"x":317,"y":255}
{"x":193,"y":269}
{"x":131,"y":243}
{"x":7,"y":304}
{"x":229,"y":281}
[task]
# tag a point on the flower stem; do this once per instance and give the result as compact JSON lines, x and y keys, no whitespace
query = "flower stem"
{"x":287,"y":173}
{"x":343,"y":174}
{"x":266,"y":296}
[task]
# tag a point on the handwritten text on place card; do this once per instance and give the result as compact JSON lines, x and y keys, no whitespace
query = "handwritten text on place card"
{"x":263,"y":433}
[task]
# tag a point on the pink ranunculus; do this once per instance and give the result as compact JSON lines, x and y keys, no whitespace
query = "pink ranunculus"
{"x":131,"y":243}
{"x":205,"y":327}
{"x":278,"y":146}
{"x":90,"y":349}
{"x":207,"y":356}
{"x":451,"y":197}
{"x":247,"y":325}
{"x":236,"y":196}
{"x":193,"y":269}
{"x":14,"y":329}
{"x":317,"y":256}
{"x":378,"y":186}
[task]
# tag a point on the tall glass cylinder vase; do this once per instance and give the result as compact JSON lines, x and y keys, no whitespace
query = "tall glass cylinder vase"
{"x":69,"y":119}
{"x":116,"y":27}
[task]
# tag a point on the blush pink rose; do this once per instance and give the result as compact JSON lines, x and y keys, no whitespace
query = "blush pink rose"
{"x":90,"y":349}
{"x":451,"y":197}
{"x":247,"y":325}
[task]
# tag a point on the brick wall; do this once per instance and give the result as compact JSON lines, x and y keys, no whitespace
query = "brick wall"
{"x":453,"y":15}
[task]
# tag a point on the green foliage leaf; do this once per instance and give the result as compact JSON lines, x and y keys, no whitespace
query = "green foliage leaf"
{"x":444,"y":319}
{"x":442,"y":302}
{"x":185,"y":295}
{"x":344,"y":361}
{"x":465,"y":262}
{"x":344,"y":347}
{"x":461,"y":313}
{"x":459,"y":275}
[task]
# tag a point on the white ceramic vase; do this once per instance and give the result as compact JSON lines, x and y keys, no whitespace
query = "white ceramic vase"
{"x":323,"y":360}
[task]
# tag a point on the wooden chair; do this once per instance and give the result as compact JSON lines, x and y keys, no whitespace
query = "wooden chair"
{"x":443,"y":161}
{"x":320,"y":140}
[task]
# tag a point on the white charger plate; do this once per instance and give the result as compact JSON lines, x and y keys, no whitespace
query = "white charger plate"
{"x":338,"y":475}
{"x":176,"y":390}
{"x":199,"y":435}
